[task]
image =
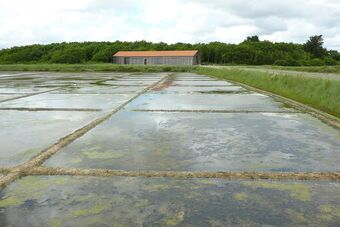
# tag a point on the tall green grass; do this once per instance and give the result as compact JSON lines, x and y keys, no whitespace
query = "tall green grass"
{"x":318,"y":93}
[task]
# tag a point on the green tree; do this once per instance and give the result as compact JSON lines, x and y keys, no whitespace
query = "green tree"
{"x":69,"y":55}
{"x":314,"y":46}
{"x":334,"y":54}
{"x":253,"y":38}
{"x":103,"y":55}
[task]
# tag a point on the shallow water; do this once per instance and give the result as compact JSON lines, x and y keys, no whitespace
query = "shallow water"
{"x":276,"y":138}
{"x":82,"y":201}
{"x":24,"y":134}
{"x":200,"y":83}
{"x":4,"y":97}
{"x":92,"y":89}
{"x":21,"y":90}
{"x":47,"y":100}
{"x":231,"y":102}
{"x":205,"y":142}
{"x":196,"y":89}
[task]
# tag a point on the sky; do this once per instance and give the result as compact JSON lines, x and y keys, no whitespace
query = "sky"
{"x":24,"y":22}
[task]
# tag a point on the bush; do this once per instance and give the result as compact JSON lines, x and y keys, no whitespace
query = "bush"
{"x":287,"y":62}
{"x":69,"y":56}
{"x":329,"y":61}
{"x":317,"y":62}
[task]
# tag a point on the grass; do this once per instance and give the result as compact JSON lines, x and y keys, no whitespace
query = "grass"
{"x":318,"y":93}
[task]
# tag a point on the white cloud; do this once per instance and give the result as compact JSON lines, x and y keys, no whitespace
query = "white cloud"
{"x":45,"y":21}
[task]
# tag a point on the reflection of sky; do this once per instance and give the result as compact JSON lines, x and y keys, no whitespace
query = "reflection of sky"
{"x":203,"y":83}
{"x":206,"y":102}
{"x":208,"y":142}
{"x":104,"y":101}
{"x":23,"y":131}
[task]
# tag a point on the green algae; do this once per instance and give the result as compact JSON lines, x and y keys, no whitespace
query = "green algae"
{"x":326,"y":208}
{"x":141,"y":203}
{"x":56,"y":222}
{"x":37,"y":183}
{"x":176,"y":219}
{"x":329,"y":210}
{"x":97,"y":209}
{"x":206,"y":181}
{"x":163,"y":186}
{"x":34,"y":187}
{"x":10,"y":201}
{"x":296,"y":216}
{"x":158,"y":187}
{"x":297,"y":191}
{"x":76,"y":160}
{"x":102,"y":154}
{"x":22,"y":155}
{"x":32,"y":183}
{"x":240,"y":196}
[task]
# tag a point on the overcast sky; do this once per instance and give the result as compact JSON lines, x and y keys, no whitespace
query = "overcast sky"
{"x":44,"y":21}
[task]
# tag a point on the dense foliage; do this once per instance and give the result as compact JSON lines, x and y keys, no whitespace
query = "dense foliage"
{"x":251,"y":52}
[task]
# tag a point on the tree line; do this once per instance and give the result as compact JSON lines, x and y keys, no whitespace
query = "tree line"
{"x":251,"y":51}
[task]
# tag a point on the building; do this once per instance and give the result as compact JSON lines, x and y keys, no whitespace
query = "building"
{"x":186,"y":57}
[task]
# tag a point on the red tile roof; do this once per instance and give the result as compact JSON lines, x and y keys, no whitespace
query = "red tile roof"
{"x":177,"y":53}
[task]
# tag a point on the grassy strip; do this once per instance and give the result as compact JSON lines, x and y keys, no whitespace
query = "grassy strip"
{"x":318,"y":69}
{"x":318,"y":93}
{"x":94,"y":68}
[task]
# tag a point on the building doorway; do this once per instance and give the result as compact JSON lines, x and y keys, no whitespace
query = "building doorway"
{"x":145,"y":61}
{"x":126,"y":61}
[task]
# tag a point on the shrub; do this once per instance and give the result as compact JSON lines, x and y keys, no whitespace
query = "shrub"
{"x":287,"y":62}
{"x":317,"y":62}
{"x":329,"y":61}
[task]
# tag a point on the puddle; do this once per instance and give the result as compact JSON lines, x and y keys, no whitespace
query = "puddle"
{"x":200,"y":83}
{"x":80,"y":201}
{"x":129,"y":83}
{"x":139,"y":79}
{"x":15,"y":78}
{"x":4,"y":97}
{"x":179,"y":89}
{"x":46,"y":100}
{"x":10,"y":74}
{"x":98,"y":90}
{"x":25,"y":134}
{"x":82,"y":76}
{"x":143,"y":77}
{"x":234,"y":102}
{"x":205,"y":142}
{"x":195,"y":79}
{"x":67,"y":83}
{"x":20,"y":90}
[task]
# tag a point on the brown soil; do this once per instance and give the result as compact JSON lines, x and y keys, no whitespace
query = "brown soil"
{"x":335,"y":176}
